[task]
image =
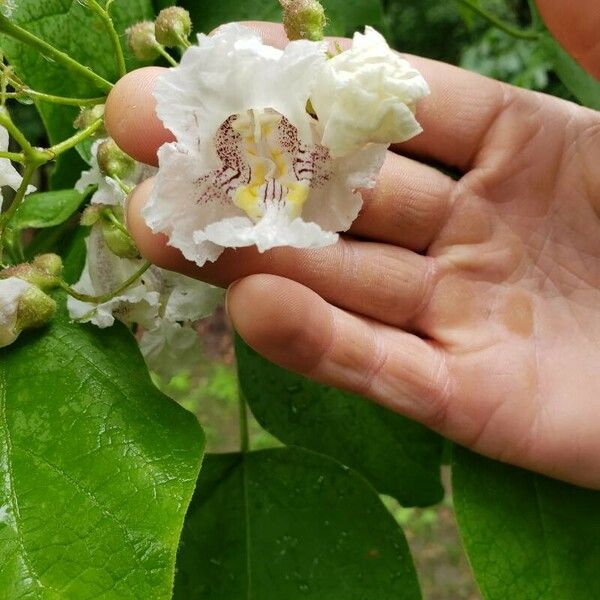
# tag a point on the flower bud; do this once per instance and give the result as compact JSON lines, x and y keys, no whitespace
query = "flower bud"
{"x":91,"y":215}
{"x":303,"y":19}
{"x":50,"y":263}
{"x":141,"y":38}
{"x":88,"y":116}
{"x":118,"y":240}
{"x":22,"y":306}
{"x":43,"y":272}
{"x":173,"y":25}
{"x":113,"y":162}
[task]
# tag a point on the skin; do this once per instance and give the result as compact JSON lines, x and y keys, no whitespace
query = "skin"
{"x":576,"y":26}
{"x":472,"y":306}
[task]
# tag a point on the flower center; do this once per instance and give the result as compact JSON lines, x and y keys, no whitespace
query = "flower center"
{"x":267,"y":144}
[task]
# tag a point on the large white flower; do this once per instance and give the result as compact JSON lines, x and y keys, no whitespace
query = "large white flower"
{"x":367,"y":94}
{"x":248,"y":166}
{"x":110,"y":192}
{"x":11,"y":292}
{"x":9,"y":176}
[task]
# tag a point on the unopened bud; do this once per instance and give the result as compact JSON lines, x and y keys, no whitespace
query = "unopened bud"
{"x":22,"y":306}
{"x":173,"y":26}
{"x":35,"y":309}
{"x":304,"y":19}
{"x":91,"y":215}
{"x":50,"y":263}
{"x":113,"y":162}
{"x":142,"y":40}
{"x":88,"y":116}
{"x":31,"y":274}
{"x":119,"y":241}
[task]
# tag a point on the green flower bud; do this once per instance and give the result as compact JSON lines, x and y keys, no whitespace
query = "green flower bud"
{"x":173,"y":25}
{"x":50,"y":263}
{"x":119,"y":241}
{"x":91,"y":215}
{"x":304,"y":19}
{"x":88,"y":116}
{"x":113,"y":162}
{"x":141,"y":38}
{"x":43,"y":272}
{"x":35,"y":309}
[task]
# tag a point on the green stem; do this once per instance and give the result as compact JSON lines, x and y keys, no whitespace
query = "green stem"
{"x":30,"y":169}
{"x":14,"y":156}
{"x":183,"y":42}
{"x":166,"y":55}
{"x":110,"y":215}
{"x":114,"y":36}
{"x":15,"y":133}
{"x":244,"y":431}
{"x":516,"y":32}
{"x":106,"y":297}
{"x":56,"y":99}
{"x":82,"y":135}
{"x":22,"y":35}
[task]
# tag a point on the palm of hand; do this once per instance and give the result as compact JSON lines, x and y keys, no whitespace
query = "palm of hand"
{"x":517,"y":298}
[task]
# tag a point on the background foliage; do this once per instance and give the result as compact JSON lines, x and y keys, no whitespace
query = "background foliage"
{"x":97,"y":467}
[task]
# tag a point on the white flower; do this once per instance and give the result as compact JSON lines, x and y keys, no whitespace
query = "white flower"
{"x":104,"y":272}
{"x":157,"y":295}
{"x":11,"y":292}
{"x":170,"y":347}
{"x":367,"y":94}
{"x":248,"y":167}
{"x":110,"y":192}
{"x":9,"y":176}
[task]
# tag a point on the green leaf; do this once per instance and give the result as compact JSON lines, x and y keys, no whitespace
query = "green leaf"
{"x":72,"y":28}
{"x":97,"y":468}
{"x":290,"y":524}
{"x":343,"y":17}
{"x":47,"y":209}
{"x":399,"y":457}
{"x":527,"y":536}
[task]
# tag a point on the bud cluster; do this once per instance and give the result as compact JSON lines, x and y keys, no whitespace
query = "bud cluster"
{"x":171,"y":29}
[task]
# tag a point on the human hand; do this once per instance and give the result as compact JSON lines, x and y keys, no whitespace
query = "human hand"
{"x":472,"y":306}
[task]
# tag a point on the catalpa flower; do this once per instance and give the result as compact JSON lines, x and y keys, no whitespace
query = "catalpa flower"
{"x":12,"y":290}
{"x":367,"y":94}
{"x":9,"y":176}
{"x":249,"y":166}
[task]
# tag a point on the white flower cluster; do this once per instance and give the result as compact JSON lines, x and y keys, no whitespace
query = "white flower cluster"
{"x":273,"y":145}
{"x":165,"y":305}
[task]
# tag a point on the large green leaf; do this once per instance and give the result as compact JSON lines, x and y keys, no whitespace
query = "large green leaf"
{"x":290,"y":524}
{"x":399,"y":457}
{"x":71,"y":27}
{"x":527,"y":536}
{"x":343,"y":17}
{"x":97,"y":468}
{"x":47,"y":209}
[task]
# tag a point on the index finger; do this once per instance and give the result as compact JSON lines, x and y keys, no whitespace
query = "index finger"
{"x":455,"y":118}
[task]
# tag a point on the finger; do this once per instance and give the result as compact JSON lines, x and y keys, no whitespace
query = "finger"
{"x":408,"y":207}
{"x":294,"y":327}
{"x":380,"y":281}
{"x":576,"y":26}
{"x":130,"y":115}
